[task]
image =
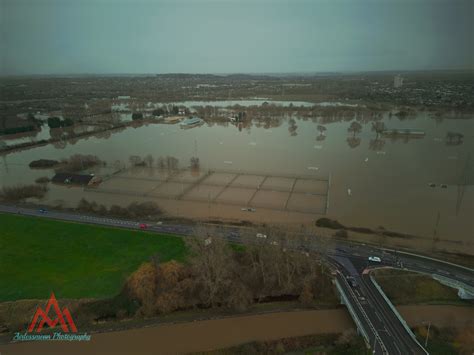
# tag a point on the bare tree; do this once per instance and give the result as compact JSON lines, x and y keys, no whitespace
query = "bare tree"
{"x":211,"y":265}
{"x":353,"y":142}
{"x":134,"y":160}
{"x":148,"y":160}
{"x":321,"y":129}
{"x":355,"y":128}
{"x":378,"y":127}
{"x":194,"y":162}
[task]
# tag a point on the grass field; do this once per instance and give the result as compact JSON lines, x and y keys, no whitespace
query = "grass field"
{"x":404,"y":287}
{"x":39,"y":256}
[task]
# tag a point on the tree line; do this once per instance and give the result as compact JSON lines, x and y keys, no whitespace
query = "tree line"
{"x":219,"y":275}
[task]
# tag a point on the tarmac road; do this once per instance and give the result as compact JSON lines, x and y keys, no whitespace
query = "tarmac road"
{"x":386,"y":332}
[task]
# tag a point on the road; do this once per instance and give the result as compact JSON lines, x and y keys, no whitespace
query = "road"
{"x":385,"y":331}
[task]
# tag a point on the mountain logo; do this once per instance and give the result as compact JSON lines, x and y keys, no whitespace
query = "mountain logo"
{"x":62,"y":317}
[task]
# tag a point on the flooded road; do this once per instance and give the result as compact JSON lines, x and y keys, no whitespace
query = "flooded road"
{"x":374,"y":180}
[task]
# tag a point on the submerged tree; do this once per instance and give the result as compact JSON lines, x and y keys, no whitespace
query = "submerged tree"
{"x":376,"y":144}
{"x":353,"y":142}
{"x":194,"y":162}
{"x":454,"y":138}
{"x":292,"y":127}
{"x":148,"y":160}
{"x":355,"y":128}
{"x":321,"y":129}
{"x":378,"y":127}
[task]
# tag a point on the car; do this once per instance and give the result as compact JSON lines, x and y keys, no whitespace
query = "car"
{"x":260,"y":235}
{"x":248,"y":209}
{"x":159,"y":223}
{"x":375,"y":259}
{"x":234,"y":234}
{"x":43,"y":210}
{"x":351,"y":281}
{"x":143,"y":226}
{"x":273,"y":242}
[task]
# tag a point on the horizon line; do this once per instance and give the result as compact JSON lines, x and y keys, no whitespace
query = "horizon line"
{"x":240,"y":73}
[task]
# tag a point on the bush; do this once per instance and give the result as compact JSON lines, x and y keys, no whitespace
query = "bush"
{"x":56,"y":122}
{"x":43,"y":180}
{"x":329,"y":223}
{"x":133,"y":210}
{"x":78,"y":162}
{"x":43,"y":163}
{"x":342,"y":233}
{"x":158,"y":112}
{"x":137,"y":116}
{"x":14,"y":130}
{"x":21,"y":192}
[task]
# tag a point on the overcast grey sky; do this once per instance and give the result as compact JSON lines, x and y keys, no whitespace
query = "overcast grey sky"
{"x":229,"y":36}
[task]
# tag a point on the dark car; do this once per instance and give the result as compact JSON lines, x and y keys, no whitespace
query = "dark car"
{"x":352,"y":281}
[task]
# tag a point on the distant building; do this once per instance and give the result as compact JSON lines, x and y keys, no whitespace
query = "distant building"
{"x":172,"y":119}
{"x":75,"y":179}
{"x":397,"y":81}
{"x":191,"y":122}
{"x":237,"y":117}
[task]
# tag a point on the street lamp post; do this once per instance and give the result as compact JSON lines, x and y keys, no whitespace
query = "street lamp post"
{"x":427,"y":334}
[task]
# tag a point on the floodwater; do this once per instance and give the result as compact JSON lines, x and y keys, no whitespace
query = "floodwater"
{"x":227,"y":332}
{"x":374,"y":181}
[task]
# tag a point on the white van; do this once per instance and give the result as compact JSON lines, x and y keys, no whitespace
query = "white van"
{"x":375,"y":259}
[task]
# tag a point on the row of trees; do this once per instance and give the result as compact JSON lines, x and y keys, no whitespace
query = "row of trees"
{"x":56,"y":122}
{"x":218,"y":275}
{"x":134,"y":210}
{"x":22,"y":192}
{"x":79,"y":162}
{"x":167,"y":162}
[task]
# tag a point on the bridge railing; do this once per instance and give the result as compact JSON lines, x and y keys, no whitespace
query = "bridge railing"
{"x":356,"y":319}
{"x":394,"y":310}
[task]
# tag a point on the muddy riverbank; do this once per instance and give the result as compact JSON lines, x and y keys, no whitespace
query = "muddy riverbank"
{"x":226,"y":332}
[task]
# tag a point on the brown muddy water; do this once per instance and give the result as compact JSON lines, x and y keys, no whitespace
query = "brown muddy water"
{"x":374,"y":181}
{"x":222,"y":333}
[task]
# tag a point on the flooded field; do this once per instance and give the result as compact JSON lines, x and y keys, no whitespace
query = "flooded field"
{"x":375,"y":180}
{"x":293,"y":194}
{"x":222,"y":333}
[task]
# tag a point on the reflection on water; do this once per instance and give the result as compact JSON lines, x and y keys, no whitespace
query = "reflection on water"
{"x":388,"y":176}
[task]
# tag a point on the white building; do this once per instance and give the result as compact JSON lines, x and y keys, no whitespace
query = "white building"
{"x":397,"y":81}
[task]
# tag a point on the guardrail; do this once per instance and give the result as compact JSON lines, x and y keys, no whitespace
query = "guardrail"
{"x":360,"y":327}
{"x":356,"y":318}
{"x":428,"y":258}
{"x":465,"y":291}
{"x":394,"y":310}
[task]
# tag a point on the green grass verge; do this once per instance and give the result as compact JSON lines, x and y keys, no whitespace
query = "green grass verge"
{"x":404,"y":287}
{"x":39,"y":256}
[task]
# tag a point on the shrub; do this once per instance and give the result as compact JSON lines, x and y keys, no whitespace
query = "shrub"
{"x":43,"y":163}
{"x":342,"y":233}
{"x":329,"y":223}
{"x":42,"y":180}
{"x":137,"y":116}
{"x":21,"y":192}
{"x":78,"y":162}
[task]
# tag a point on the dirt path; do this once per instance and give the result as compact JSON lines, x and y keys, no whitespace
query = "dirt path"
{"x":221,"y":333}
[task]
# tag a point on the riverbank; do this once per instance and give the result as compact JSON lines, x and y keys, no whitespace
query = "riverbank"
{"x":222,"y":333}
